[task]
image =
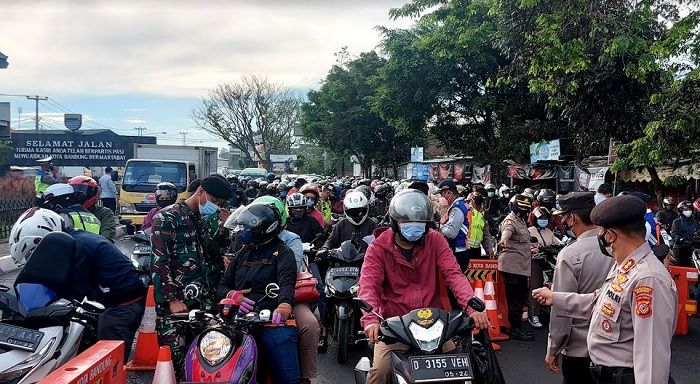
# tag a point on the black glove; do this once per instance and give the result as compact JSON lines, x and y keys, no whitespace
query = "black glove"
{"x":322,"y":254}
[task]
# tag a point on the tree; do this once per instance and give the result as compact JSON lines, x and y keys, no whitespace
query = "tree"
{"x":251,"y":112}
{"x":339,"y":116}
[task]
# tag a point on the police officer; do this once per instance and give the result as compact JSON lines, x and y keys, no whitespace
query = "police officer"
{"x":514,"y":262}
{"x":179,"y":259}
{"x":87,"y":193}
{"x":581,"y":268}
{"x":45,"y":176}
{"x":62,"y":198}
{"x":633,"y":314}
{"x":455,"y":225}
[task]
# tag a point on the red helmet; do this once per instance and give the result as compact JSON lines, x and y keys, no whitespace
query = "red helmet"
{"x":313,"y":188}
{"x":86,"y":189}
{"x":696,"y":205}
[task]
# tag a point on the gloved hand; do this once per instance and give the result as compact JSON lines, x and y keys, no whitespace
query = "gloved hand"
{"x":281,"y":314}
{"x":245,"y":305}
{"x":322,"y":253}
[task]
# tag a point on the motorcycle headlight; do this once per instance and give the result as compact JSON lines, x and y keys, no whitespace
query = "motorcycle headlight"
{"x":428,"y":339}
{"x":214,"y":347}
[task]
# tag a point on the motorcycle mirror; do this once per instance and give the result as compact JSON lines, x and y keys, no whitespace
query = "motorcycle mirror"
{"x":533,"y":239}
{"x":272,"y":290}
{"x":93,"y":306}
{"x":476,"y":304}
{"x":362,"y":304}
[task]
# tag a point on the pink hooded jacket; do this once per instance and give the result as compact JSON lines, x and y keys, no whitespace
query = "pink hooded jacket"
{"x":394,"y":286}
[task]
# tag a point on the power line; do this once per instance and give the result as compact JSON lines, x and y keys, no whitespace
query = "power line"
{"x":60,"y":105}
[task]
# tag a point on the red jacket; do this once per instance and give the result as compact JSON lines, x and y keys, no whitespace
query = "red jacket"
{"x":394,"y":286}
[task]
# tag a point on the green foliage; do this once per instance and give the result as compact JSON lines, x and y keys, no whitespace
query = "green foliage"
{"x":5,"y":150}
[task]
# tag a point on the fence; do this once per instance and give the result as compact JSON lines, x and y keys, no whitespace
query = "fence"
{"x":10,"y":210}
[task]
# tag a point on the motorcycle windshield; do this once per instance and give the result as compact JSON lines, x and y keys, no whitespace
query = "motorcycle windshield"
{"x":33,"y":296}
{"x":349,"y":252}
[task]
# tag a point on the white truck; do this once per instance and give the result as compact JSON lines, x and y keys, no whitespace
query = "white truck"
{"x":153,"y":164}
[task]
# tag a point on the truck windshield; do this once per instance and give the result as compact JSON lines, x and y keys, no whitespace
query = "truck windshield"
{"x":143,"y":176}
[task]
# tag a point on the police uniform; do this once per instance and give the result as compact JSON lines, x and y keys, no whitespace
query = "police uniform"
{"x":82,"y":219}
{"x":581,"y":268}
{"x":43,"y":179}
{"x":633,"y":315}
{"x":514,"y":262}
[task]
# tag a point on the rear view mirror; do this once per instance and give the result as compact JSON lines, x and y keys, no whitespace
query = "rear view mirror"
{"x":362,"y":304}
{"x":476,"y":304}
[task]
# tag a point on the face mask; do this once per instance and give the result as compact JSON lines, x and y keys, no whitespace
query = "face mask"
{"x":412,"y":232}
{"x":490,"y":194}
{"x":506,"y":195}
{"x":687,"y":213}
{"x":283,"y":195}
{"x":208,"y":208}
{"x":542,"y":223}
{"x":598,"y":198}
{"x":245,"y":237}
{"x":567,"y":228}
{"x":605,"y":247}
{"x":478,"y":200}
{"x":310,"y":203}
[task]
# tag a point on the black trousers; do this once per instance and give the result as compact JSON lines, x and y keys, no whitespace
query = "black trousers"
{"x":121,"y":323}
{"x":463,"y":258}
{"x":516,"y":294}
{"x":576,"y":370}
{"x":110,"y":202}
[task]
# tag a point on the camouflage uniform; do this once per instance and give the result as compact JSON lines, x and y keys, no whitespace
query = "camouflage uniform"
{"x":215,"y":243}
{"x":178,"y":260}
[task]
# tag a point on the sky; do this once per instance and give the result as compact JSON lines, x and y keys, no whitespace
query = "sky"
{"x":147,"y":63}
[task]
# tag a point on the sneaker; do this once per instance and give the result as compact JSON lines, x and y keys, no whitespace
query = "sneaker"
{"x":535,"y":322}
{"x":518,"y":334}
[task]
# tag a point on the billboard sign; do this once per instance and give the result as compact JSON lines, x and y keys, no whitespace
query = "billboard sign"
{"x":546,"y":150}
{"x":416,"y":154}
{"x":282,"y":158}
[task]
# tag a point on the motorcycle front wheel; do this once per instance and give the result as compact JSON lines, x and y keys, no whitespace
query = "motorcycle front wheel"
{"x":343,"y":340}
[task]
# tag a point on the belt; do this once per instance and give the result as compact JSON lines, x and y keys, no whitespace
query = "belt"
{"x":136,"y":300}
{"x":612,"y":375}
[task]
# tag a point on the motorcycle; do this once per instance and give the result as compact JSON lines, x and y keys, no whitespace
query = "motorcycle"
{"x":141,"y":256}
{"x":342,"y":283}
{"x":425,"y":330}
{"x":40,"y":331}
{"x":224,"y":350}
{"x":547,"y":257}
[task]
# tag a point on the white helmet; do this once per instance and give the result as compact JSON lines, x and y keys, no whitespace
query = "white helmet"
{"x":503,"y":189}
{"x":30,"y":228}
{"x":58,"y":196}
{"x":356,"y":207}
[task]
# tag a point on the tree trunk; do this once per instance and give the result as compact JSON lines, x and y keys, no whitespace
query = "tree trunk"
{"x":657,"y":185}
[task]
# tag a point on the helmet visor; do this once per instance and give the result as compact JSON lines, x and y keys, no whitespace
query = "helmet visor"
{"x":411,"y":205}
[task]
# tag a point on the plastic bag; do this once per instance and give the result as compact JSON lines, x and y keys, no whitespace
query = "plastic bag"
{"x":484,"y":362}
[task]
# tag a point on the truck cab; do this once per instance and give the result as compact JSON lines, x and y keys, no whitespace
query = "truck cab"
{"x":141,"y":176}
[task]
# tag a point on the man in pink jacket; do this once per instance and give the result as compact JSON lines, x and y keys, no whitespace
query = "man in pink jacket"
{"x":400,"y":274}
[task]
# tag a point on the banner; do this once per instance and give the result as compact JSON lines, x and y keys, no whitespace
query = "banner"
{"x":283,"y":158}
{"x":481,"y":175}
{"x":420,"y":171}
{"x":416,"y":154}
{"x":96,"y":148}
{"x":573,"y":178}
{"x":546,"y":150}
{"x":597,"y":177}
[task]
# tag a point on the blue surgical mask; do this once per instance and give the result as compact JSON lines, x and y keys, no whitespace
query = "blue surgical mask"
{"x":245,"y":237}
{"x":490,"y":194}
{"x":208,"y":208}
{"x":412,"y":232}
{"x":542,"y":223}
{"x":310,"y":203}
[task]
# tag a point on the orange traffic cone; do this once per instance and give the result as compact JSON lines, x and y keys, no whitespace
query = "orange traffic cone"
{"x":165,"y":371}
{"x":492,"y":311}
{"x":146,"y":352}
{"x":479,"y":289}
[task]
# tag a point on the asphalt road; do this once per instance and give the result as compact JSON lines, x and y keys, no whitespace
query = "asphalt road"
{"x":521,"y":362}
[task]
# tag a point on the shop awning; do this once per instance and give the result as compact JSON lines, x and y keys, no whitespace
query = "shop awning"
{"x":689,"y":171}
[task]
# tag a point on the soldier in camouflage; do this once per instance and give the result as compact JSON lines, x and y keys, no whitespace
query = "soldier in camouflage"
{"x":184,"y":253}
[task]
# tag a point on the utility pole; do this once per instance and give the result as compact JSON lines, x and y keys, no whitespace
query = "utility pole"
{"x":140,"y":130}
{"x":36,"y":99}
{"x":184,"y":137}
{"x":19,"y":117}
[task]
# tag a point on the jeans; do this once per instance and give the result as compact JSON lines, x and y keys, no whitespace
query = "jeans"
{"x":279,"y":345}
{"x":121,"y":323}
{"x":309,"y":331}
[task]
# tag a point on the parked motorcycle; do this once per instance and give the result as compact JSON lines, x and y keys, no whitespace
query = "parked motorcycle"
{"x":141,"y":256}
{"x":425,"y":330}
{"x":547,"y":257}
{"x":40,"y":331}
{"x":342,"y":283}
{"x":224,"y":350}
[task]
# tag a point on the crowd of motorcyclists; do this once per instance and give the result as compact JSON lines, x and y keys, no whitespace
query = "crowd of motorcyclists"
{"x":234,"y":236}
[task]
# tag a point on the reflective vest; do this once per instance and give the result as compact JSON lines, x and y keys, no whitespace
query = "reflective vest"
{"x":476,"y":228}
{"x":326,"y":210}
{"x":39,"y":186}
{"x":85,"y":221}
{"x":460,"y":242}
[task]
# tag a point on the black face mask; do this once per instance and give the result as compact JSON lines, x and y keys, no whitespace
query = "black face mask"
{"x":604,"y":244}
{"x":478,"y":200}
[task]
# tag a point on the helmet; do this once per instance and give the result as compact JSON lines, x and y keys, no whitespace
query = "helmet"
{"x":271,"y":177}
{"x":520,"y":204}
{"x":696,"y":205}
{"x":541,"y":212}
{"x":87,"y":190}
{"x":366,"y":182}
{"x":282,"y":187}
{"x":58,"y":196}
{"x":382,"y":191}
{"x":547,"y":198}
{"x":166,"y":194}
{"x":529,"y":192}
{"x":30,"y":228}
{"x":257,"y":224}
{"x":504,"y":190}
{"x":356,"y":207}
{"x":683,"y":205}
{"x":366,"y":191}
{"x":309,"y":188}
{"x":252,"y":183}
{"x":231,"y":221}
{"x":262,"y":185}
{"x":669,"y":202}
{"x":296,"y":203}
{"x":279,"y":206}
{"x":410,"y":205}
{"x":271,"y":190}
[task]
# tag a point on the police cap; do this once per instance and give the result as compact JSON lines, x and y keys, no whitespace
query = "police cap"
{"x":618,"y":211}
{"x":574,"y":201}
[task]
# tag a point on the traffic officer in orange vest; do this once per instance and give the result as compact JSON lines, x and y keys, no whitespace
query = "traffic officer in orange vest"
{"x":633,"y":315}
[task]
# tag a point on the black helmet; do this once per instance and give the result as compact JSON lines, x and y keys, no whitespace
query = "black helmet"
{"x":262,"y":185}
{"x":257,"y":224}
{"x":382,"y":190}
{"x":547,"y":198}
{"x":271,"y":177}
{"x":410,"y":205}
{"x":282,"y":187}
{"x":520,"y":204}
{"x":365,"y":190}
{"x":252,"y":183}
{"x":166,"y":194}
{"x":271,"y":190}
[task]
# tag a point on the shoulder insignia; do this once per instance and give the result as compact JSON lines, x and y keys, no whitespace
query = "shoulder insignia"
{"x":629,"y":264}
{"x":608,"y":309}
{"x":607,"y":327}
{"x":508,"y":222}
{"x":643,"y":290}
{"x":622,"y":278}
{"x":616,"y":287}
{"x":643,"y":306}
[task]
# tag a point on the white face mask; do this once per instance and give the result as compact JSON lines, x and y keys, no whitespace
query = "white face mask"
{"x":687,"y":213}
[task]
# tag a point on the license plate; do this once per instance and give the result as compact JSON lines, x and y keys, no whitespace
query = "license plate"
{"x":443,"y":367}
{"x":345,"y":272}
{"x":143,"y":249}
{"x":20,"y":338}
